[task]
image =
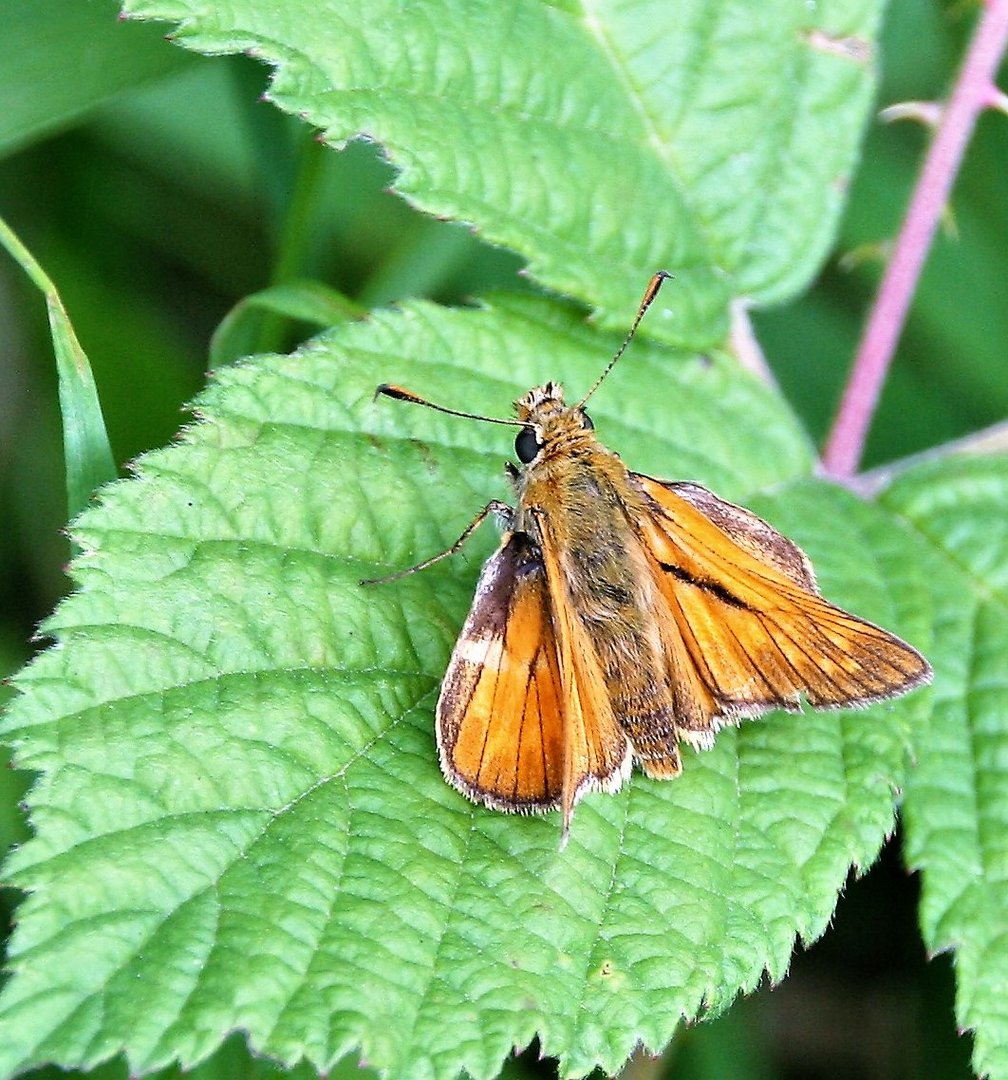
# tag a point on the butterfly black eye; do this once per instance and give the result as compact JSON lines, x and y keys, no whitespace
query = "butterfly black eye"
{"x":527,"y":445}
{"x":586,"y":422}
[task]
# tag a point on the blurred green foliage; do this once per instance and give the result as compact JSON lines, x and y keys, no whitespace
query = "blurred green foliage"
{"x":949,"y":375}
{"x":157,"y":201}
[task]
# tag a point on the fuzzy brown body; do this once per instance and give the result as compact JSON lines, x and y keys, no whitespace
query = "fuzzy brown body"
{"x":622,"y":615}
{"x":582,"y":495}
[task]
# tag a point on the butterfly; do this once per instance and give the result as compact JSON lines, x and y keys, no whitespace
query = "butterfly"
{"x":623,"y":615}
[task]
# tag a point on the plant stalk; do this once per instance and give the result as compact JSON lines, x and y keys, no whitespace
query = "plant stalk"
{"x":974,"y":90}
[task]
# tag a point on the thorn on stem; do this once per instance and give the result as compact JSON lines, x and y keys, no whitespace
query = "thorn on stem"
{"x":927,"y":113}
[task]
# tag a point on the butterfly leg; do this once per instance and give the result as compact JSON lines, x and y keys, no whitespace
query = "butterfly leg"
{"x":495,"y":506}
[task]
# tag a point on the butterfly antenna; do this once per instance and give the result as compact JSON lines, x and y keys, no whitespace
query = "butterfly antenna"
{"x":400,"y":393}
{"x":649,"y":294}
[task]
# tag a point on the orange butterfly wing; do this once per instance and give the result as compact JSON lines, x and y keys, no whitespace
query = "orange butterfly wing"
{"x":750,"y":626}
{"x":500,"y":713}
{"x":524,"y":721}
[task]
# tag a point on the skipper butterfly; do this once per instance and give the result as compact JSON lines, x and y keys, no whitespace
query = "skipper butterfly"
{"x":623,"y":615}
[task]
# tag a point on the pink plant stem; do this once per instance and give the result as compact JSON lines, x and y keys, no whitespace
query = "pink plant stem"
{"x":972,"y":92}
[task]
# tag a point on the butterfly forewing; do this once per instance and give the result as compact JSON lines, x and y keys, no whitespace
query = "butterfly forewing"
{"x":746,"y":607}
{"x":500,"y":724}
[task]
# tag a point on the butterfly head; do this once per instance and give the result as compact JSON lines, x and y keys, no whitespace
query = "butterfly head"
{"x":548,"y":422}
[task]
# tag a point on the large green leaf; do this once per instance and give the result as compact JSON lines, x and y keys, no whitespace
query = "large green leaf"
{"x":957,"y":799}
{"x":600,"y":142}
{"x":240,"y":819}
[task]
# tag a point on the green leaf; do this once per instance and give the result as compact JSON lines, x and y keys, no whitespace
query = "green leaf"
{"x":957,"y":799}
{"x":87,"y":455}
{"x":712,"y":139}
{"x":240,"y":820}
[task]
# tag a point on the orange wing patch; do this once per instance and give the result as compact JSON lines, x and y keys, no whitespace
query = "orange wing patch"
{"x":500,"y":727}
{"x":750,"y":618}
